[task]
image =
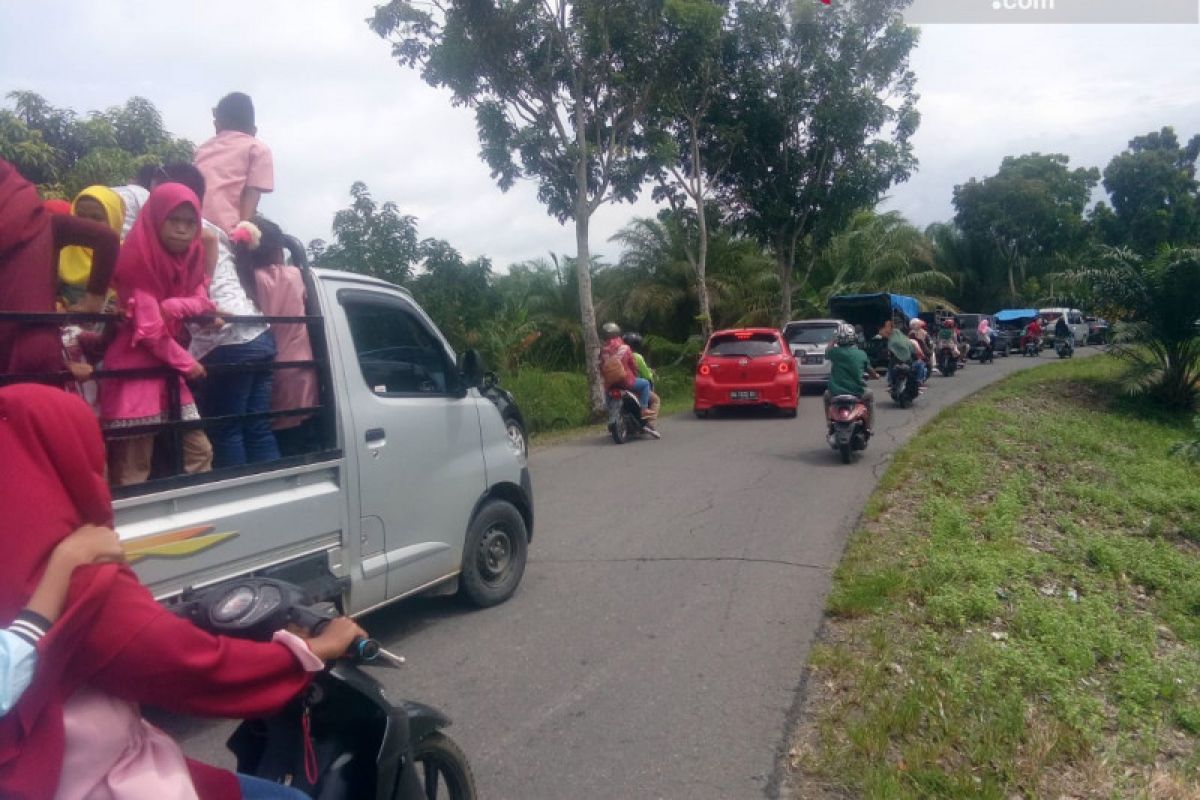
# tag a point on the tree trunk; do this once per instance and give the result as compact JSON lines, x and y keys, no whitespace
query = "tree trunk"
{"x":706,"y":321}
{"x":785,"y":286}
{"x":583,"y":264}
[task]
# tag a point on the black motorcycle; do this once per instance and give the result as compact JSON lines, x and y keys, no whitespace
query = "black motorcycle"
{"x":625,"y":420}
{"x":1064,"y":346}
{"x":341,"y":738}
{"x":902,"y":383}
{"x":982,"y":351}
{"x":947,"y":361}
{"x":1033,"y":347}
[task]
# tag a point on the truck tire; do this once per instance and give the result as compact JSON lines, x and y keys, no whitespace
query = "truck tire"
{"x":494,"y":554}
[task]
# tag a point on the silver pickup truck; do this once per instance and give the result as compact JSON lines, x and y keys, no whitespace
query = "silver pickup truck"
{"x":414,"y":485}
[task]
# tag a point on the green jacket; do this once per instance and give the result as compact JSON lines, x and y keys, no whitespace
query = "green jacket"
{"x":643,"y":369}
{"x":900,"y":346}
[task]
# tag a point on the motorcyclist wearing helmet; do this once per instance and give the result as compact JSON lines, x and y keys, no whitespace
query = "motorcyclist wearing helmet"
{"x":948,"y":334}
{"x":615,"y":348}
{"x":847,"y":364}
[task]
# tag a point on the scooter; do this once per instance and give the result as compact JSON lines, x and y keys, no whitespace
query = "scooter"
{"x":625,"y":420}
{"x":1065,"y":347}
{"x":847,"y":425}
{"x":341,"y":738}
{"x":982,"y":351}
{"x":1032,"y":347}
{"x":947,"y":361}
{"x":903,"y":385}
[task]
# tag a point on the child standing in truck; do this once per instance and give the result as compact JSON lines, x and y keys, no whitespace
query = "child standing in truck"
{"x":237,"y":167}
{"x":160,"y":282}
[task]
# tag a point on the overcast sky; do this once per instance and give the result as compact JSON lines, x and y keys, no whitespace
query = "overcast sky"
{"x":335,"y":108}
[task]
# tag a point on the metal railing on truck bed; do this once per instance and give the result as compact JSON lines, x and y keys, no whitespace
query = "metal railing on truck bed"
{"x":169,"y":432}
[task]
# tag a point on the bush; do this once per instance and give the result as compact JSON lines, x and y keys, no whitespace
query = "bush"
{"x":550,"y":401}
{"x":1190,"y":450}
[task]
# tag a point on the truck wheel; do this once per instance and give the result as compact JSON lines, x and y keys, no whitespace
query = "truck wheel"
{"x":494,"y":554}
{"x":442,"y":768}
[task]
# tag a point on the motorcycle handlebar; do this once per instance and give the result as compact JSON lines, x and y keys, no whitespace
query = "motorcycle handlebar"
{"x":361,"y":649}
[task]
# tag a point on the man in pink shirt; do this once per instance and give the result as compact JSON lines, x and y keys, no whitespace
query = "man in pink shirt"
{"x":237,"y":167}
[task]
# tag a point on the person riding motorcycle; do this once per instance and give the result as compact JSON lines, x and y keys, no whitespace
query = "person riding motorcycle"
{"x":987,"y":336}
{"x":901,"y":348}
{"x":615,"y":349}
{"x":917,"y":332}
{"x":948,"y":335}
{"x":1033,"y":333}
{"x":847,"y":363}
{"x":1062,"y":330}
{"x":635,"y":341}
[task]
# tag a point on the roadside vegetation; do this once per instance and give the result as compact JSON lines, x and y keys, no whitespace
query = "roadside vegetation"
{"x":1019,"y":614}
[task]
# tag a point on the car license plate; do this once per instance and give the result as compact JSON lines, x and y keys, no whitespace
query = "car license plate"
{"x":816,"y":360}
{"x":743,"y":395}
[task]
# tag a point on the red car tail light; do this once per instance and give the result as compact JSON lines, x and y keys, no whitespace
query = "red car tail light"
{"x":785,"y":366}
{"x":704,"y":369}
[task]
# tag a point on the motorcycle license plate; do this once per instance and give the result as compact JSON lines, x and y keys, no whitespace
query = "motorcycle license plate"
{"x":743,"y":395}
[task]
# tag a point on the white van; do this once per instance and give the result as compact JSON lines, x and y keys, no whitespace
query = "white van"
{"x":1078,"y":325}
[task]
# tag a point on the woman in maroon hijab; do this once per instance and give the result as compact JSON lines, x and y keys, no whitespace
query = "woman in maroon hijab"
{"x":113,"y":646}
{"x":30,"y":238}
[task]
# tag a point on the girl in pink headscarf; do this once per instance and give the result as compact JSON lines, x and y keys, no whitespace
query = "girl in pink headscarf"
{"x":160,"y":281}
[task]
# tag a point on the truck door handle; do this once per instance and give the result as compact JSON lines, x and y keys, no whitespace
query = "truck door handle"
{"x":375,"y":435}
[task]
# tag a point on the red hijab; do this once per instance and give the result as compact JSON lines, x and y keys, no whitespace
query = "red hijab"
{"x":145,"y":263}
{"x":51,"y":483}
{"x":22,"y":216}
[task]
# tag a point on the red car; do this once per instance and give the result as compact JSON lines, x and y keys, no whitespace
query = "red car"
{"x":747,"y":367}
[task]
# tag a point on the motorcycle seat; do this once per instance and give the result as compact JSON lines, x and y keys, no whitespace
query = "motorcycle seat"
{"x":845,"y":399}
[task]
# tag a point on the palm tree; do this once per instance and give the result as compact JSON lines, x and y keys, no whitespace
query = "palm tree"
{"x":878,"y":253}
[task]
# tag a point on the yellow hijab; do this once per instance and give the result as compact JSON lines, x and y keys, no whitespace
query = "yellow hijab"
{"x":74,"y":262}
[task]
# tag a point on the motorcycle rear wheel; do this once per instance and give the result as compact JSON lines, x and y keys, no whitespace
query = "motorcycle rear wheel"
{"x":442,"y":766}
{"x":844,"y":450}
{"x":620,"y":430}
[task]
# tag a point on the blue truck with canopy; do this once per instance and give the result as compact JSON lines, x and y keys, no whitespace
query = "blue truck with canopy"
{"x":1011,"y":324}
{"x":870,"y":311}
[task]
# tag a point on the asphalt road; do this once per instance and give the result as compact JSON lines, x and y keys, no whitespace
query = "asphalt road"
{"x":656,"y":646}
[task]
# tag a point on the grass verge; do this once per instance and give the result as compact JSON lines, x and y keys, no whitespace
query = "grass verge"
{"x":1019,"y":614}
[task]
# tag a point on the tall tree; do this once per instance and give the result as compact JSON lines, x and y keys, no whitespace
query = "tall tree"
{"x":821,"y":114}
{"x":370,"y":238}
{"x":1026,"y":215}
{"x":696,"y":80}
{"x":1153,"y":189}
{"x":559,"y":88}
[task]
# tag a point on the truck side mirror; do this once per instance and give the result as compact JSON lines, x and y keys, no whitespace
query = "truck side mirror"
{"x":472,"y":369}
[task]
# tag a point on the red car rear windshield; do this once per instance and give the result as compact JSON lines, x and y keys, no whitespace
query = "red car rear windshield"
{"x":753,"y":345}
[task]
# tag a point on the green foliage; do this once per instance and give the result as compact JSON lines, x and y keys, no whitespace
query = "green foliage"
{"x":370,"y":238}
{"x":1020,"y":219}
{"x":1021,"y":629}
{"x":819,"y":124}
{"x":1153,"y":189}
{"x":1156,"y":301}
{"x":1190,"y":449}
{"x":63,"y":153}
{"x":877,"y":253}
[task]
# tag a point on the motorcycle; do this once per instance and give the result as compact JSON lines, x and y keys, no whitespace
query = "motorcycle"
{"x":1032,"y":347}
{"x":847,"y":419}
{"x":947,"y":361}
{"x":341,"y":738}
{"x":982,"y":351}
{"x":902,"y":383}
{"x":625,"y":420}
{"x":1065,"y":347}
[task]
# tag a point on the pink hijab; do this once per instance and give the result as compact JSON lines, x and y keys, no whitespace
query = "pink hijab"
{"x":146,"y":264}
